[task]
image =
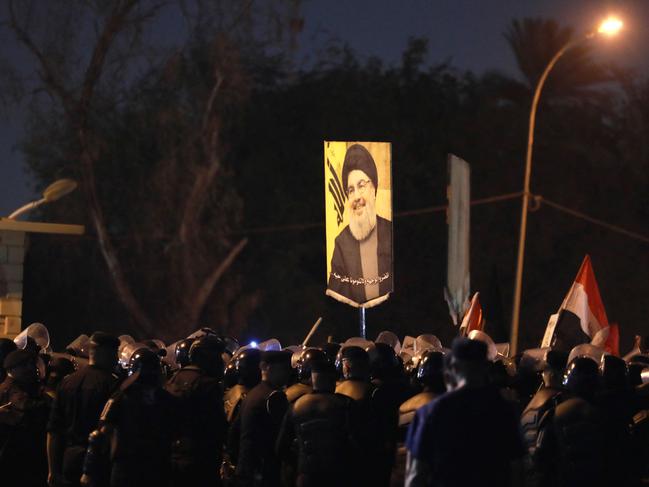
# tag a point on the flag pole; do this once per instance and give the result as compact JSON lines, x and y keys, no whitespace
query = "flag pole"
{"x":553,"y":340}
{"x":361,"y":319}
{"x":313,"y":330}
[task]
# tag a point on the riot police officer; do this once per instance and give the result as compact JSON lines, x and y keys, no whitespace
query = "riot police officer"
{"x":245,"y":366}
{"x":320,"y":421}
{"x":430,"y":375}
{"x":132,"y":445}
{"x":617,"y":403}
{"x":200,"y":434}
{"x":571,"y":451}
{"x":356,"y":383}
{"x":24,"y":410}
{"x":58,"y":369}
{"x":391,"y":391}
{"x":366,"y":427}
{"x":538,"y":411}
{"x":261,"y":416}
{"x":6,"y":347}
{"x":77,"y":407}
{"x":304,"y":362}
{"x":182,"y":352}
{"x":538,"y":414}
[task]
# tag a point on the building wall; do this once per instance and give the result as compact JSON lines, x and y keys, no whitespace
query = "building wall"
{"x":12,"y":256}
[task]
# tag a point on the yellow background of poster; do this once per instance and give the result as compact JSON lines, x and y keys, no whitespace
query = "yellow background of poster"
{"x":334,"y":152}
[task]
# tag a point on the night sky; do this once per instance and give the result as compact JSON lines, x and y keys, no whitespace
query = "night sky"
{"x":466,"y":33}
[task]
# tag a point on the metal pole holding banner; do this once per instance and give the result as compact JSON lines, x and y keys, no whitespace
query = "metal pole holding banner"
{"x":313,"y":330}
{"x":361,"y":318}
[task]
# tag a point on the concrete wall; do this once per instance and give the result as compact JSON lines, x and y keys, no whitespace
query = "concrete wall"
{"x":12,"y":255}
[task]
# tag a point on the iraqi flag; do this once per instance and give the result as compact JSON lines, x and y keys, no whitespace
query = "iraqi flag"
{"x":581,"y":317}
{"x":473,"y":317}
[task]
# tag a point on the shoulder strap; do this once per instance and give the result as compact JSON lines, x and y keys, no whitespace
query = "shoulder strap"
{"x":548,"y":417}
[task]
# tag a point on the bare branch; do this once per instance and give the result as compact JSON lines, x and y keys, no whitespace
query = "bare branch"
{"x":114,"y":24}
{"x":212,"y":279}
{"x":47,"y":73}
{"x":206,"y":176}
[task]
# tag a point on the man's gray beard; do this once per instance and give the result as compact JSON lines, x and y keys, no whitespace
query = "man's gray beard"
{"x":361,"y":226}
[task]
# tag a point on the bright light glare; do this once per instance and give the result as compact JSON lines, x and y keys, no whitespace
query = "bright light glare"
{"x":253,"y":344}
{"x":610,"y":26}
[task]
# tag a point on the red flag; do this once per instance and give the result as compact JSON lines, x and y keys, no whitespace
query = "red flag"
{"x":612,"y":344}
{"x":473,"y":318}
{"x":585,"y":302}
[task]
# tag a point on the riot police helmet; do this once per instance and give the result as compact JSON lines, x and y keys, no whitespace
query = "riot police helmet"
{"x":146,"y":364}
{"x":6,"y":347}
{"x":384,"y":363}
{"x":230,"y":376}
{"x":205,"y":353}
{"x":305,"y":362}
{"x":182,"y":351}
{"x":430,"y":370}
{"x":614,"y":372}
{"x":358,"y":361}
{"x":331,"y":350}
{"x":246,"y":365}
{"x":581,"y":377}
{"x":230,"y":345}
{"x":58,"y":368}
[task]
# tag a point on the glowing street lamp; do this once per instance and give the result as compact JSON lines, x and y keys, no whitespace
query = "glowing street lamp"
{"x":53,"y":192}
{"x":609,"y":27}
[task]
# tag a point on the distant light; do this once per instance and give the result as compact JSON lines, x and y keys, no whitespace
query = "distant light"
{"x":253,"y":344}
{"x":610,"y":26}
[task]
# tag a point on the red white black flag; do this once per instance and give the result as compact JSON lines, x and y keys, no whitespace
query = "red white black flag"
{"x":581,"y":317}
{"x":473,"y":318}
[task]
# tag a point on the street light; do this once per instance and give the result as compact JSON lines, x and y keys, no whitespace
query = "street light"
{"x":53,"y":192}
{"x":609,"y":27}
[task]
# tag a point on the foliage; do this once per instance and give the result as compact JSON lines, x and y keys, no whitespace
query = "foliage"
{"x":591,"y":155}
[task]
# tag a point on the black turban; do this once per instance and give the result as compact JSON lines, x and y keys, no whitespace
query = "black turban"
{"x":358,"y":157}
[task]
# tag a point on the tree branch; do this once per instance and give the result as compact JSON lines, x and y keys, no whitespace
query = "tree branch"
{"x":114,"y":24}
{"x":206,"y":176}
{"x":211,"y":280}
{"x":47,"y":74}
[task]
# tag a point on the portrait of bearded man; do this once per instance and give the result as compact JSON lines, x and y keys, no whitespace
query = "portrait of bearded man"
{"x":361,"y":265}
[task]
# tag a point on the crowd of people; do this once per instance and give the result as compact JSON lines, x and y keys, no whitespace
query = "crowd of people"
{"x":206,"y":411}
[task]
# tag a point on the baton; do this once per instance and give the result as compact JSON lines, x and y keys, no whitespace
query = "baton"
{"x":313,"y":330}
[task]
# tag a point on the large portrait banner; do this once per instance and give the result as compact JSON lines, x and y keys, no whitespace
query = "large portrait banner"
{"x":358,"y":213}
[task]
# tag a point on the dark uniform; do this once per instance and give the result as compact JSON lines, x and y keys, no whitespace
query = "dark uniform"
{"x":320,"y":421}
{"x":75,"y":414}
{"x":261,"y":417}
{"x":296,"y":391}
{"x":197,"y":449}
{"x":6,"y":347}
{"x":303,"y":367}
{"x":572,"y":450}
{"x":24,"y":410}
{"x":142,"y":421}
{"x":535,"y":420}
{"x":387,"y":398}
{"x":408,"y":409}
{"x":536,"y":415}
{"x":365,"y":427}
{"x":232,"y":400}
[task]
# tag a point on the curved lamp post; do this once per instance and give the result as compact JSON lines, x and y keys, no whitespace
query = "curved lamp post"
{"x":53,"y":192}
{"x":609,"y":27}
